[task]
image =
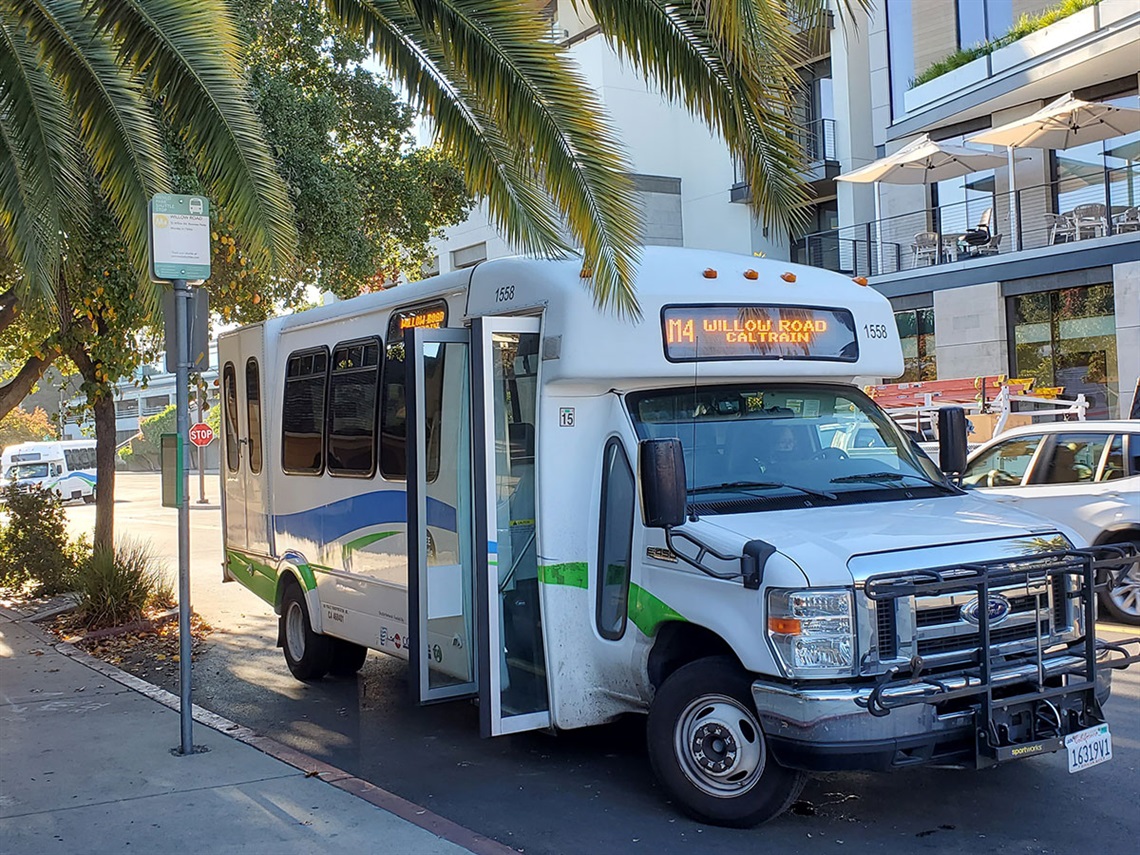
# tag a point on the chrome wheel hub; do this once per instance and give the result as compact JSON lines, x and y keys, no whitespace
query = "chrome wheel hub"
{"x":295,"y":631}
{"x":719,"y":746}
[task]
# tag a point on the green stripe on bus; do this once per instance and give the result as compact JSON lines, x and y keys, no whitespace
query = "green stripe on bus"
{"x":647,"y":612}
{"x":366,"y":540}
{"x":574,"y":574}
{"x":258,"y":576}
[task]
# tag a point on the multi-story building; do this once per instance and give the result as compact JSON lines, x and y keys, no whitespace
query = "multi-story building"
{"x":1045,"y":299}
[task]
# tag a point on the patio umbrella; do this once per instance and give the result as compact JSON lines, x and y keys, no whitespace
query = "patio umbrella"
{"x":921,"y":161}
{"x":1065,"y":123}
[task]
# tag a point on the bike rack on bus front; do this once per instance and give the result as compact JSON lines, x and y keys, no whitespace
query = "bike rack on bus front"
{"x":1069,"y":666}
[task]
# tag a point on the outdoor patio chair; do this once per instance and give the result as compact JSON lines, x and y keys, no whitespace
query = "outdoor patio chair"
{"x":991,"y":248}
{"x":1129,"y":221}
{"x":1061,"y":229}
{"x":926,"y":247}
{"x":1090,"y":220}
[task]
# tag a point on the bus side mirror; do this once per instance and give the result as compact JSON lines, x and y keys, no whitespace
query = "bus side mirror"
{"x":952,"y":439}
{"x":662,"y":482}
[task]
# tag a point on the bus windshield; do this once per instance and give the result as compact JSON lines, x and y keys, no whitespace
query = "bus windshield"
{"x":28,"y":470}
{"x":784,"y":441}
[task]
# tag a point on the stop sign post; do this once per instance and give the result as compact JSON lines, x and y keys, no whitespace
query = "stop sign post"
{"x":201,"y":435}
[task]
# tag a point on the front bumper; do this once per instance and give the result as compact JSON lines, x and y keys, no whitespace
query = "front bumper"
{"x":831,"y":729}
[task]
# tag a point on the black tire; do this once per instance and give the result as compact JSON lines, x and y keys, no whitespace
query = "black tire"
{"x":1123,"y":602}
{"x":347,"y":658}
{"x":89,"y":499}
{"x":703,"y":719}
{"x":307,"y":654}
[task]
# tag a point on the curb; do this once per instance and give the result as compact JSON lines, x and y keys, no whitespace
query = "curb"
{"x":417,"y":815}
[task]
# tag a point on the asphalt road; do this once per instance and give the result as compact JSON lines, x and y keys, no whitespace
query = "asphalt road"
{"x":592,"y":791}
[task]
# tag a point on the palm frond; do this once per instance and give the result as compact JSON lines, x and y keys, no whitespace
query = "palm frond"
{"x":731,"y":64}
{"x":188,"y":56}
{"x":42,"y":192}
{"x":115,"y":122}
{"x":494,"y":63}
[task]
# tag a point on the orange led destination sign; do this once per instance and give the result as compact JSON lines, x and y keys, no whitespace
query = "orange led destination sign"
{"x":698,"y":333}
{"x":430,"y":316}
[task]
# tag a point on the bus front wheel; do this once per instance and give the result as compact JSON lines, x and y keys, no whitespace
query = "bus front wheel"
{"x":307,"y":654}
{"x":347,"y":658}
{"x":709,"y":752}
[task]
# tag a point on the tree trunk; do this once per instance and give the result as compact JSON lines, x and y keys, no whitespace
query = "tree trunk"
{"x":105,"y":441}
{"x":19,"y":387}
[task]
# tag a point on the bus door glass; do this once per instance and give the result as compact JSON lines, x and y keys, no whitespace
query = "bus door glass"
{"x":512,"y":669}
{"x":441,"y":567}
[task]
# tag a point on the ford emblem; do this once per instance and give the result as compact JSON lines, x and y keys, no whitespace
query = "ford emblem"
{"x":997,"y":610}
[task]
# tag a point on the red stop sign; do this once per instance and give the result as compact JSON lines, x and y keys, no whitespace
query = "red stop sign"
{"x":201,"y":434}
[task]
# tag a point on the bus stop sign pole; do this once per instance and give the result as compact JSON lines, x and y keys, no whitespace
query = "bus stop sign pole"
{"x":182,"y":408}
{"x":179,"y":242}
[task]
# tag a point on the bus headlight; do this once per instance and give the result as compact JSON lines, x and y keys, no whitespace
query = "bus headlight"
{"x":813,"y":631}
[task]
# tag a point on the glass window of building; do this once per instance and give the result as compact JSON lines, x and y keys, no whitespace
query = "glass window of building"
{"x":1080,"y":177}
{"x":916,"y":330}
{"x":967,"y":202}
{"x":900,"y":52}
{"x":1067,"y":339}
{"x":983,"y":21}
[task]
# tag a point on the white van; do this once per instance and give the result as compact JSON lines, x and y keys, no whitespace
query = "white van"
{"x":65,"y":466}
{"x":571,"y":516}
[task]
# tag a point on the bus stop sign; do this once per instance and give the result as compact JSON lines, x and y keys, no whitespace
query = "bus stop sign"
{"x":201,"y":434}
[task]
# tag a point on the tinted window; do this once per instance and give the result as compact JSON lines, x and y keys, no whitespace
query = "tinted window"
{"x":1114,"y":462}
{"x":1075,"y":459}
{"x":230,"y":413}
{"x":393,"y":404}
{"x":253,"y":413}
{"x":303,"y":412}
{"x":615,"y":541}
{"x":352,"y":407}
{"x":1003,"y":465}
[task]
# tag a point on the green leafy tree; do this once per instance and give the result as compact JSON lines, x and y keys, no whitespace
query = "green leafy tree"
{"x":367,"y":200}
{"x":92,"y":92}
{"x":21,"y":426}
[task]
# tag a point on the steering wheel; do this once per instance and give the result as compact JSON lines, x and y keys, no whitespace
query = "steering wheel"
{"x":830,"y":453}
{"x":998,"y":478}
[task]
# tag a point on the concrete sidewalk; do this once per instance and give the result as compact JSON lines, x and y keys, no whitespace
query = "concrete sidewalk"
{"x":86,"y":766}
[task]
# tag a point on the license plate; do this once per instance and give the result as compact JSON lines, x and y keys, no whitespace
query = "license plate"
{"x":1089,"y":747}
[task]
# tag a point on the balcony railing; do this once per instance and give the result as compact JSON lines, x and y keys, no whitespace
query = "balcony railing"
{"x":818,"y":141}
{"x":1099,"y":203}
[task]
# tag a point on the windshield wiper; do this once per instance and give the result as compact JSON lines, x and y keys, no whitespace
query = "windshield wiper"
{"x":761,"y":485}
{"x":887,"y":476}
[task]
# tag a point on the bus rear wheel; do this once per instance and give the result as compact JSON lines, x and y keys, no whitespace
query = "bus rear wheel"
{"x":709,"y":752}
{"x":307,"y":654}
{"x":89,"y":498}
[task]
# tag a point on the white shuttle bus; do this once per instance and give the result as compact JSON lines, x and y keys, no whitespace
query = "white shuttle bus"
{"x":571,"y":516}
{"x":65,"y":466}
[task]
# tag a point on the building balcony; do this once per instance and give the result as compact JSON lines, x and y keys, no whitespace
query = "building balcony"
{"x":817,"y":140}
{"x":1093,"y":46}
{"x":1088,"y":220}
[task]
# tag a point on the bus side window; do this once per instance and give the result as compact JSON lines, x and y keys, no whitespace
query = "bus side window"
{"x":394,"y":412}
{"x":253,"y":413}
{"x":70,"y":455}
{"x":303,"y":412}
{"x":615,"y":541}
{"x":229,"y":392}
{"x":352,"y":408}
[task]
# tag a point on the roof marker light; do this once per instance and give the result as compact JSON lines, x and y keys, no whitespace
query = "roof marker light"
{"x":788,"y":277}
{"x":859,"y":280}
{"x":709,"y":273}
{"x":751,"y":274}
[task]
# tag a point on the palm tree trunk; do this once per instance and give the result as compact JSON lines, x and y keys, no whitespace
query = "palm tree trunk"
{"x":105,"y":436}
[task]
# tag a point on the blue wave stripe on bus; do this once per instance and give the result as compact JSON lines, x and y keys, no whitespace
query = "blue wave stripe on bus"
{"x":337,"y":519}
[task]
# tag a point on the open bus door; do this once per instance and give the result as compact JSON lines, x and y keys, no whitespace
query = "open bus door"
{"x":474,"y":613}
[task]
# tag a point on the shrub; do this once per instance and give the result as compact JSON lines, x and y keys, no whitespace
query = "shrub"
{"x":1025,"y":25}
{"x":118,"y":586}
{"x":36,"y":554}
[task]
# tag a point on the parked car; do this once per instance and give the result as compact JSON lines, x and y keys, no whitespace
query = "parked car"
{"x":1083,"y":474}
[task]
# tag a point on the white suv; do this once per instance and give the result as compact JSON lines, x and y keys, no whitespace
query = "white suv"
{"x":1083,"y":474}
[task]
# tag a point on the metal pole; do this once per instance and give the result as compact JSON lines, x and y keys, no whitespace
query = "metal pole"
{"x":1014,"y":224}
{"x":182,"y":408}
{"x":201,"y":449}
